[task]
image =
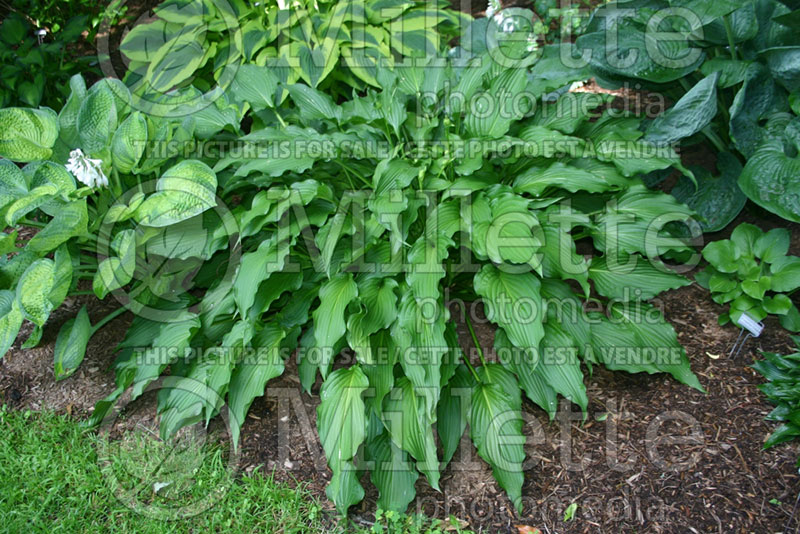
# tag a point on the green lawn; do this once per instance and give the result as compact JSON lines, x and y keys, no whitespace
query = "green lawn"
{"x":53,"y":478}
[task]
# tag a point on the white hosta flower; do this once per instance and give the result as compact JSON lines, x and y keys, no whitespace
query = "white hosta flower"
{"x":87,"y":170}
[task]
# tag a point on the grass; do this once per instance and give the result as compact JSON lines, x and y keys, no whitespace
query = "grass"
{"x":54,"y":477}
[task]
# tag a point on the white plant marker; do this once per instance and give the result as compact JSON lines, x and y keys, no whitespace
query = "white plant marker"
{"x":754,"y":329}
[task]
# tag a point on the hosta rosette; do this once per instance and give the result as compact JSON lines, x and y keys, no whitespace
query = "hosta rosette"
{"x":358,"y":222}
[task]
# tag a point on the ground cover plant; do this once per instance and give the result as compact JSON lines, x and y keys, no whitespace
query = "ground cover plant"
{"x":264,"y":227}
{"x":731,"y":69}
{"x":753,"y":272}
{"x":781,"y":373}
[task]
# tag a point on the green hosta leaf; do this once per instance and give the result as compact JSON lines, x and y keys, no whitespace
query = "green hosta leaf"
{"x":68,"y":116}
{"x":770,"y":180}
{"x":785,"y":274}
{"x":778,"y":305}
{"x":97,"y":119}
{"x":33,"y":291}
{"x":525,"y":365}
{"x":757,"y":288}
{"x":185,"y":190}
{"x":633,"y":280}
{"x":496,"y":428}
{"x":512,"y":301}
{"x":380,"y":300}
{"x":640,"y":340}
{"x":716,"y":199}
{"x":250,"y":377}
{"x":405,"y":415}
{"x":453,"y":410}
{"x":128,"y":143}
{"x":256,"y":86}
{"x":745,"y":236}
{"x":329,"y":322}
{"x":773,"y":245}
{"x":791,"y":321}
{"x":723,"y":255}
{"x":71,"y":344}
{"x":313,"y":104}
{"x":10,"y":320}
{"x":559,"y":367}
{"x":492,"y":117}
{"x":689,"y":115}
{"x":342,"y":423}
{"x":256,"y":267}
{"x":27,"y":134}
{"x":392,"y":473}
{"x":536,"y":180}
{"x":751,"y":105}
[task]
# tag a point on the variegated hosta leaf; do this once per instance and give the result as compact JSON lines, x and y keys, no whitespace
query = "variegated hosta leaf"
{"x":33,"y":291}
{"x":71,"y":344}
{"x":27,"y":134}
{"x":185,"y":190}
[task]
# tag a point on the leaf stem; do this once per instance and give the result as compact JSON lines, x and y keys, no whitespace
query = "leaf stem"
{"x":108,"y":318}
{"x":475,"y":339}
{"x":726,"y":20}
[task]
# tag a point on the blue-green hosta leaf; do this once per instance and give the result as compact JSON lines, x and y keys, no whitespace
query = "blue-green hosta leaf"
{"x":770,"y":180}
{"x":640,"y":340}
{"x":342,"y":423}
{"x":495,"y":426}
{"x":689,"y":115}
{"x":71,"y":344}
{"x":68,"y":116}
{"x":392,"y":473}
{"x":784,"y":63}
{"x":27,"y":134}
{"x":638,"y":54}
{"x":329,"y":321}
{"x":33,"y":291}
{"x":513,"y":302}
{"x":752,"y":104}
{"x":185,"y":190}
{"x":128,"y":143}
{"x":12,"y":183}
{"x":97,"y":119}
{"x":10,"y":320}
{"x":406,"y":419}
{"x":731,"y":71}
{"x":716,"y":199}
{"x":250,"y":377}
{"x":637,"y":280}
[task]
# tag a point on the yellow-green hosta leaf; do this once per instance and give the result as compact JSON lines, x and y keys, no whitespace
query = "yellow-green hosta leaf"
{"x":110,"y":276}
{"x":97,"y":119}
{"x":10,"y":320}
{"x":71,"y":344}
{"x":128,"y":143}
{"x":185,"y":190}
{"x":71,"y":219}
{"x":62,"y":276}
{"x":27,"y":134}
{"x":33,"y":291}
{"x":12,"y":183}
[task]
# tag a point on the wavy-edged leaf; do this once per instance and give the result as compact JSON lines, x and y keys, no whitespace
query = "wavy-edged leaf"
{"x":71,"y":344}
{"x":33,"y":291}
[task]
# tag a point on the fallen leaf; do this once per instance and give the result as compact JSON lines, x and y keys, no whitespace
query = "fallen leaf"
{"x":525,"y":529}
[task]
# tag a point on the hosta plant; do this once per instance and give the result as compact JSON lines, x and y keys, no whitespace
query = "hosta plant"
{"x":753,"y":273}
{"x":783,"y":376}
{"x":323,"y":43}
{"x":731,"y":69}
{"x":332,"y":232}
